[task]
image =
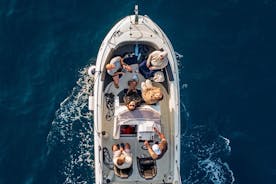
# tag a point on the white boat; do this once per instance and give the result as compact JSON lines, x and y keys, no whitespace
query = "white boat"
{"x":137,"y":35}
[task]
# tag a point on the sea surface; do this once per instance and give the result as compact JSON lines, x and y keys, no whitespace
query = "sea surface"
{"x":227,"y":87}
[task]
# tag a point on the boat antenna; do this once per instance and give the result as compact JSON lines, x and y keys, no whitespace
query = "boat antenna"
{"x":136,"y":14}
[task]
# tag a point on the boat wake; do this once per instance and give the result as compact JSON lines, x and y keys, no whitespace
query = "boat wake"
{"x":70,"y":140}
{"x":202,"y":157}
{"x":202,"y":150}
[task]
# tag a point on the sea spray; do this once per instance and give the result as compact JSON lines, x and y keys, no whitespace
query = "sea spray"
{"x":71,"y":137}
{"x":202,"y":149}
{"x":202,"y":153}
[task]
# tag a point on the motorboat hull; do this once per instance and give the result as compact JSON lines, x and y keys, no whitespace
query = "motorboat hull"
{"x":123,"y":37}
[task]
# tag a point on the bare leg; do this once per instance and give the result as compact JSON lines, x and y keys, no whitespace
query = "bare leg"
{"x":151,"y":152}
{"x":161,"y":136}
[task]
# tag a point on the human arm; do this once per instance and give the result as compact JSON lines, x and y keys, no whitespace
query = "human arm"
{"x":148,"y":60}
{"x":122,"y":61}
{"x":131,"y":90}
{"x":161,"y":136}
{"x":125,"y":66}
{"x":163,"y":64}
{"x":151,"y":152}
{"x":118,"y":73}
{"x":154,"y":68}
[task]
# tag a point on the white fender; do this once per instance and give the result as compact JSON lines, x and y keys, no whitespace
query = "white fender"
{"x":91,"y":70}
{"x":91,"y":103}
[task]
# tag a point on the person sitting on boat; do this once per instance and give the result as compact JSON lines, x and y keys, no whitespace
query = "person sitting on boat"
{"x":116,"y":67}
{"x":132,"y":98}
{"x":122,"y":156}
{"x":151,"y":94}
{"x":156,"y":61}
{"x":157,"y":150}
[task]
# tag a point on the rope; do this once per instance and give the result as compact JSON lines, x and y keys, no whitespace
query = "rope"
{"x":107,"y":160}
{"x":109,"y":102}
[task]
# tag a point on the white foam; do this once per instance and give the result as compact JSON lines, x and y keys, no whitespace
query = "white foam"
{"x":73,"y":129}
{"x":202,"y":157}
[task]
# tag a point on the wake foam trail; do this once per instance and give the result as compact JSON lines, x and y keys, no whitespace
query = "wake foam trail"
{"x":70,"y":140}
{"x":202,"y":154}
{"x":202,"y":149}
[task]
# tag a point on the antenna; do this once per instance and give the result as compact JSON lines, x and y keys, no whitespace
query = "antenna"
{"x":136,"y":14}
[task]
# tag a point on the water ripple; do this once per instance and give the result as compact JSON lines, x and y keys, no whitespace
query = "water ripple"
{"x":71,"y":135}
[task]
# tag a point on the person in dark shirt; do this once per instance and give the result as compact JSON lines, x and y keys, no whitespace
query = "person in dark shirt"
{"x":132,"y":98}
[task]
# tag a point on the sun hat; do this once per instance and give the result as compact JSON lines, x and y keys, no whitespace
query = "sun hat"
{"x":164,"y":53}
{"x":156,"y":149}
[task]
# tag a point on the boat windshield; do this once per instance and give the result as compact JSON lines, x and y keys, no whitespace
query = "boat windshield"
{"x":140,"y":121}
{"x":140,"y":114}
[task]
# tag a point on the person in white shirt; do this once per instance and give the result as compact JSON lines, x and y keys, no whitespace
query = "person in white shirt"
{"x":157,"y":150}
{"x":156,"y":61}
{"x":115,"y":69}
{"x":122,"y":156}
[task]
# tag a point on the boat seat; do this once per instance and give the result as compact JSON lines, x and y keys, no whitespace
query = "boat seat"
{"x":122,"y":173}
{"x":147,"y":167}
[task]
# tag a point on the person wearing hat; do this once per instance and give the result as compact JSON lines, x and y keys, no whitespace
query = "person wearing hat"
{"x":156,"y":61}
{"x":122,"y":156}
{"x":115,"y":68}
{"x":157,"y":150}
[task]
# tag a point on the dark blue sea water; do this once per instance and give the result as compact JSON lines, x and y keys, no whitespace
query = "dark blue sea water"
{"x":227,"y":78}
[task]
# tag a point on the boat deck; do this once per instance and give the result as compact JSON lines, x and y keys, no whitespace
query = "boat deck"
{"x":165,"y":165}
